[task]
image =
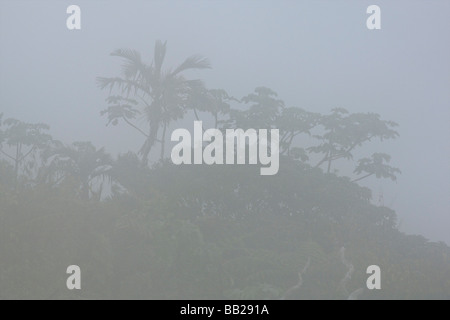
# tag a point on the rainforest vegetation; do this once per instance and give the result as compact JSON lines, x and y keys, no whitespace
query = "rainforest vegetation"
{"x":141,"y":227}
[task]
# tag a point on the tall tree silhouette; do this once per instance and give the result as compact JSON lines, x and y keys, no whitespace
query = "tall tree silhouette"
{"x":344,"y":132}
{"x":148,"y":92}
{"x":20,"y":141}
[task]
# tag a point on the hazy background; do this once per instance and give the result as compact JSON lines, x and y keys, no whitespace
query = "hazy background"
{"x":316,"y":54}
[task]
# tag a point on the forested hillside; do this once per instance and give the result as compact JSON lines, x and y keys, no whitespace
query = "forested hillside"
{"x":141,"y":227}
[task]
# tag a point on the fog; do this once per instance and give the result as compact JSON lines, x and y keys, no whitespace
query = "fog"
{"x":316,"y":55}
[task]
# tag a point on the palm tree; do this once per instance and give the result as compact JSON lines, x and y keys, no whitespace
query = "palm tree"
{"x":148,"y":92}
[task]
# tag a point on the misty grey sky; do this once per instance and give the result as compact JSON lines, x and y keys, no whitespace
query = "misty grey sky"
{"x":316,"y":54}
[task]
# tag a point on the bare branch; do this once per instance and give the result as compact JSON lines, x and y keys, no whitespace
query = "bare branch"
{"x":138,"y":129}
{"x":349,"y":273}
{"x":27,"y":154}
{"x":300,"y":281}
{"x":355,"y":294}
{"x":7,"y":155}
{"x":363,"y":177}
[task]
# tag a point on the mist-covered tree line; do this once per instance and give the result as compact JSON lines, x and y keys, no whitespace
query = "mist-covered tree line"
{"x":141,"y":227}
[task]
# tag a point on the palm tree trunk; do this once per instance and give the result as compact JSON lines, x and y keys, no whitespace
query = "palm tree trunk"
{"x":149,"y":143}
{"x":196,"y":114}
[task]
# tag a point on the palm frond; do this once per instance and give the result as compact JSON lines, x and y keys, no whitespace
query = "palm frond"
{"x":125,"y":85}
{"x":160,"y":53}
{"x":133,"y":64}
{"x":193,"y":62}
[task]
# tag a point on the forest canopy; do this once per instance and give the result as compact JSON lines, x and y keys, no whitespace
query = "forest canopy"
{"x":141,"y":227}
